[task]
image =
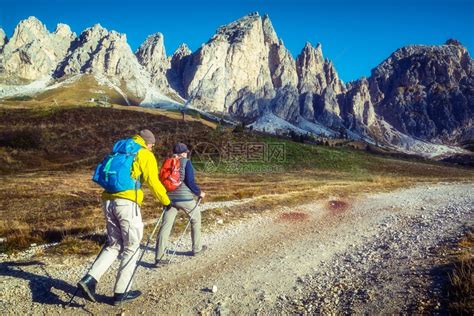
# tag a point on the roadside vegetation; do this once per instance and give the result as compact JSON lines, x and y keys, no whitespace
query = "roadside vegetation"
{"x":460,"y":289}
{"x":47,"y":155}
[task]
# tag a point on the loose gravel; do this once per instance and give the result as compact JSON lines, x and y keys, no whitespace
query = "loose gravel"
{"x":370,"y":254}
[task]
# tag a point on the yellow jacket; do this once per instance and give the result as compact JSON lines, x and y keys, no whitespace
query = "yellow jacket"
{"x":145,"y":167}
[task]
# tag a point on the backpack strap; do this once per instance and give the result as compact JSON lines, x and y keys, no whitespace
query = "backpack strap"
{"x":107,"y":168}
{"x":182,"y":168}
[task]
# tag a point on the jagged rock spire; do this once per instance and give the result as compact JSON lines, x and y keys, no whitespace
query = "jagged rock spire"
{"x":152,"y":55}
{"x":244,"y":56}
{"x":27,"y":31}
{"x":152,"y":50}
{"x":112,"y":59}
{"x":177,"y":65}
{"x":315,"y":73}
{"x":360,"y":112}
{"x":64,"y":31}
{"x":268,"y":31}
{"x":33,"y":52}
{"x":310,"y":69}
{"x":181,"y":52}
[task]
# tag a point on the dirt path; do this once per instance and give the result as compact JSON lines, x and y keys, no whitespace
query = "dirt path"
{"x":325,"y":256}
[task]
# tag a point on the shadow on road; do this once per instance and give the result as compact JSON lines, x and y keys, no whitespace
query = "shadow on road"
{"x":41,"y":286}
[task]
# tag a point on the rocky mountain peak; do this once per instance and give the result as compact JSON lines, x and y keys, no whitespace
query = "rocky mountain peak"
{"x":178,"y":62}
{"x":27,"y":31}
{"x":64,"y":31}
{"x":454,"y":42}
{"x":282,"y":66}
{"x":91,"y":35}
{"x":96,"y":30}
{"x":152,"y":51}
{"x":108,"y":50}
{"x":268,"y":31}
{"x":238,"y":30}
{"x":33,"y":52}
{"x":319,"y":86}
{"x":423,"y":65}
{"x":242,"y":55}
{"x":425,"y":91}
{"x":96,"y":27}
{"x":332,"y":77}
{"x":310,"y":67}
{"x":152,"y":55}
{"x":310,"y":49}
{"x":153,"y":46}
{"x":181,"y":51}
{"x":312,"y":54}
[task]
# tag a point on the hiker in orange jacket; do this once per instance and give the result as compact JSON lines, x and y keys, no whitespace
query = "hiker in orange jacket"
{"x":182,"y":198}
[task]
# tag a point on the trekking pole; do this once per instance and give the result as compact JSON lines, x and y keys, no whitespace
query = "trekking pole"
{"x":186,"y":228}
{"x":88,"y":270}
{"x":143,"y":253}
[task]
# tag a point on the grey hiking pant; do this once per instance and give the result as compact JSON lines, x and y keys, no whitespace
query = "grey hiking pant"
{"x":168,"y":222}
{"x":124,"y":233}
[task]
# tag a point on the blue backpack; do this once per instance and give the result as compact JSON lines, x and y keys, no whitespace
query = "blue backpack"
{"x":114,"y":172}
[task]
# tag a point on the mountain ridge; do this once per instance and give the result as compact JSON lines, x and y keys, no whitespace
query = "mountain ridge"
{"x":419,"y":93}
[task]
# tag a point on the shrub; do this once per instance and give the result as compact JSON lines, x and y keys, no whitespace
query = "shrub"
{"x":22,"y":139}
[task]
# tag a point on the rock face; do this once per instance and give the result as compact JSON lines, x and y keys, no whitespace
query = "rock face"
{"x":282,"y":66}
{"x":152,"y":55}
{"x":314,"y":73}
{"x":106,"y":55}
{"x":235,"y":58}
{"x":177,"y":65}
{"x":319,"y":86}
{"x":286,"y":104}
{"x":33,"y":52}
{"x":358,"y":110}
{"x":246,"y":71}
{"x":426,"y":91}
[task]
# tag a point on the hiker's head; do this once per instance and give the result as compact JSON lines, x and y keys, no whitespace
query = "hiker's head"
{"x":148,"y":137}
{"x":180,"y":149}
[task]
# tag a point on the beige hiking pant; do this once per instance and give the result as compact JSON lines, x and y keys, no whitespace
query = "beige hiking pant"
{"x":168,"y":222}
{"x":124,"y":233}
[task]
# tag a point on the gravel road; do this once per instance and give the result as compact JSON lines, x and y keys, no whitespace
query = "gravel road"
{"x":369,"y":254}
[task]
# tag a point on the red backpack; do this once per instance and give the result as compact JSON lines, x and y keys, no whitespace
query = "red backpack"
{"x":170,"y":175}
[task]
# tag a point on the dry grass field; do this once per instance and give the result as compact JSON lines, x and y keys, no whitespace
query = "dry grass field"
{"x":460,"y":290}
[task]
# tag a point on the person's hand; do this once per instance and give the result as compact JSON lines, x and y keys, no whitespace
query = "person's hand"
{"x":202,"y":195}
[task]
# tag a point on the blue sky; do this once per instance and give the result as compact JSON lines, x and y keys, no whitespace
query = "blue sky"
{"x":356,"y":35}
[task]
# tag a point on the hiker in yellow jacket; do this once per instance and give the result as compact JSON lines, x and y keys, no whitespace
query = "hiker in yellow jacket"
{"x":124,"y":223}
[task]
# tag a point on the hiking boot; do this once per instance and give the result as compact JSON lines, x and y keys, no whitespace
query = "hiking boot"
{"x":204,"y":248}
{"x":120,"y":298}
{"x":87,"y":284}
{"x":162,"y":262}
